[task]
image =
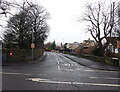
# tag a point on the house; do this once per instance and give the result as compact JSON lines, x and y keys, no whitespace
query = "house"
{"x":86,"y":47}
{"x":72,"y":46}
{"x":88,"y":43}
{"x":112,"y":47}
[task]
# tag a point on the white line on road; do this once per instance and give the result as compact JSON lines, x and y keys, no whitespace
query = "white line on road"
{"x":57,"y":61}
{"x":8,"y":73}
{"x":104,"y":78}
{"x":67,"y":82}
{"x":88,"y":70}
{"x":100,"y":71}
{"x":14,"y":73}
{"x":68,"y":70}
{"x":58,"y":67}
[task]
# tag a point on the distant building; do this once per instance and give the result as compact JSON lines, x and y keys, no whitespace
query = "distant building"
{"x":88,"y":43}
{"x":86,"y":47}
{"x":72,"y":46}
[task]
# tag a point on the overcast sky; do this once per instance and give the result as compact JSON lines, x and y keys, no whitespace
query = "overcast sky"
{"x":64,"y":22}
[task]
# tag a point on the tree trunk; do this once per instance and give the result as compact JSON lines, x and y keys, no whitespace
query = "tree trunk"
{"x":101,"y":51}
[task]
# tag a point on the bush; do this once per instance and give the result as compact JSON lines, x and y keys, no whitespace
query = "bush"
{"x":96,"y":51}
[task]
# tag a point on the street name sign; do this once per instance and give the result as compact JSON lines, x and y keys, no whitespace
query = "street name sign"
{"x":32,"y":45}
{"x":118,"y":44}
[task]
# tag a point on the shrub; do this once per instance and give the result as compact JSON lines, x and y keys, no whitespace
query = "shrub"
{"x":96,"y":51}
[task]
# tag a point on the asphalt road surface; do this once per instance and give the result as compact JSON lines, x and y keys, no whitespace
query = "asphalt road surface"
{"x":57,"y":72}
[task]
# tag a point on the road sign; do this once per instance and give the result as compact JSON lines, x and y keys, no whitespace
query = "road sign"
{"x":118,"y":44}
{"x":32,"y":45}
{"x":11,"y":53}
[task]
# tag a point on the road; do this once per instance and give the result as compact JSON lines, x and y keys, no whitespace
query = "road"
{"x":57,"y":72}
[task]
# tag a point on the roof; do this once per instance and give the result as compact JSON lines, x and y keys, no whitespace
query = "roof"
{"x":89,"y":41}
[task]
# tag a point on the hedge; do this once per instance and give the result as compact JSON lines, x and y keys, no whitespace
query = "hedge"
{"x":21,"y":54}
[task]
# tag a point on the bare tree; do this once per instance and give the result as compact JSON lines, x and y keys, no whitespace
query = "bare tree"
{"x":39,"y":24}
{"x":102,"y":20}
{"x":30,"y":19}
{"x":5,"y":7}
{"x":38,"y":16}
{"x":116,"y":33}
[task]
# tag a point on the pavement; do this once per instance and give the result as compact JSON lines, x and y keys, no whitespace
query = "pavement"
{"x":92,"y":64}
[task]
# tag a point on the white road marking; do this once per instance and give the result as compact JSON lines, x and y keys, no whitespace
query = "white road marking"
{"x":8,"y":73}
{"x":89,"y":70}
{"x":57,"y":61}
{"x":97,"y":84}
{"x":58,"y":64}
{"x":104,"y":78}
{"x":67,"y":82}
{"x":72,"y":64}
{"x":59,"y":68}
{"x":101,"y":71}
{"x":37,"y":79}
{"x":67,"y":70}
{"x":66,"y":64}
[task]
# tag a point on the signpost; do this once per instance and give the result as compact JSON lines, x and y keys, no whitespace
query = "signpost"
{"x":32,"y":46}
{"x":118,"y":46}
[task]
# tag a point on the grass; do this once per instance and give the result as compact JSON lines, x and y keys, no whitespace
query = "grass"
{"x":98,"y":59}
